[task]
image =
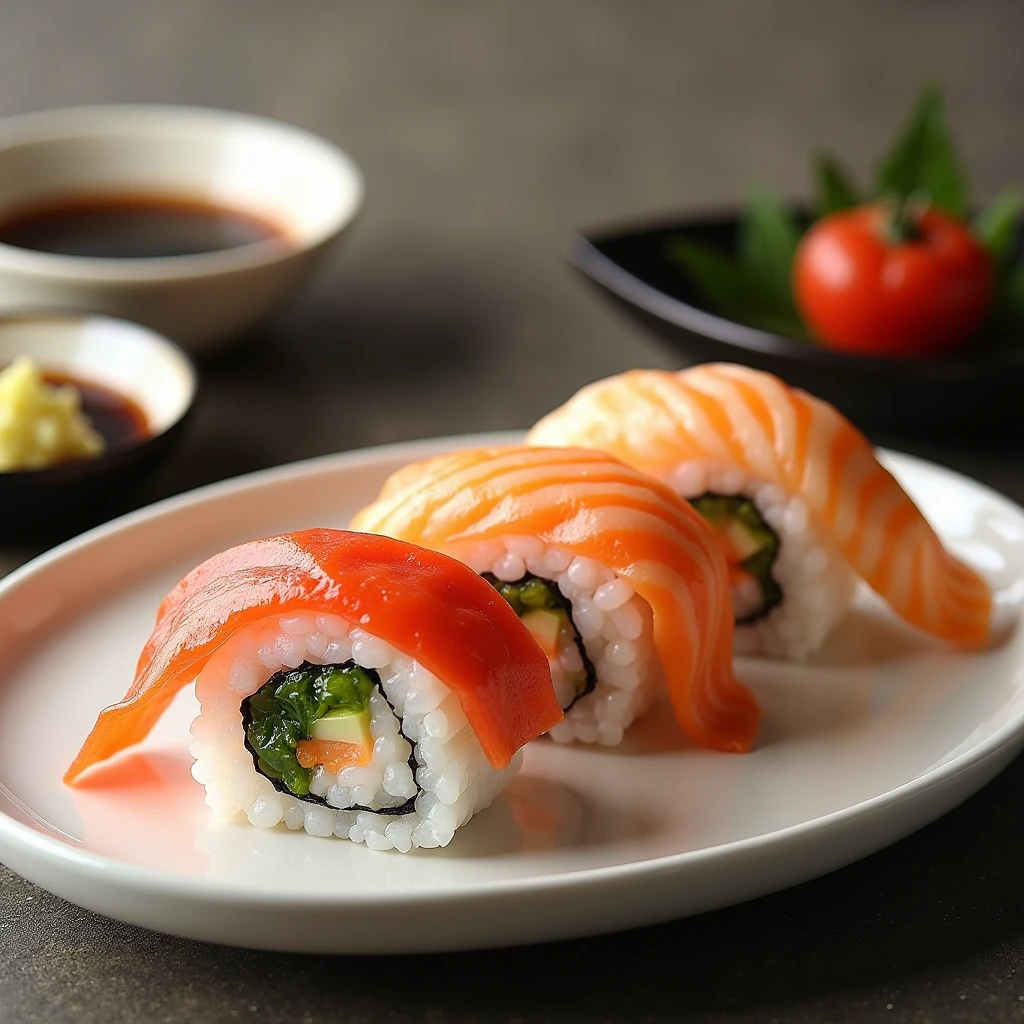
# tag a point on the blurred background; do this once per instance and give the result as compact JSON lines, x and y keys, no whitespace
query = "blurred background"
{"x":487,"y":134}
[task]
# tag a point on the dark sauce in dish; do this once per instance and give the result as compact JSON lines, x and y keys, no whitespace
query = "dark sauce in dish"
{"x":115,"y":417}
{"x":133,"y":227}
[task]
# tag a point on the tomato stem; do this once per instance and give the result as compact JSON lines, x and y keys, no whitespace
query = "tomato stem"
{"x":899,"y":225}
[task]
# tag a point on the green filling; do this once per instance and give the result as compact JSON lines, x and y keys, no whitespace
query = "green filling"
{"x":738,"y":519}
{"x":285,"y":709}
{"x":529,"y":594}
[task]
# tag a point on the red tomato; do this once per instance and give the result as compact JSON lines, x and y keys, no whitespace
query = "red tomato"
{"x":862,"y":292}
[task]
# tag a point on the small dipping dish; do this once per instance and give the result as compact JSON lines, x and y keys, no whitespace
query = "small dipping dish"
{"x":242,"y":208}
{"x":138,"y":388}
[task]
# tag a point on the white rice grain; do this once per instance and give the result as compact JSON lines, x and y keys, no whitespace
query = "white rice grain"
{"x":817,"y":583}
{"x":614,"y":623}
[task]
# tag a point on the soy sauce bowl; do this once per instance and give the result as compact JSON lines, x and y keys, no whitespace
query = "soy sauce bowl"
{"x":270,"y":172}
{"x":975,"y":391}
{"x":44,"y":505}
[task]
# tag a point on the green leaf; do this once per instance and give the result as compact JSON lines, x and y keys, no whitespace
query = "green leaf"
{"x":768,"y":239}
{"x":786,"y":325}
{"x":996,"y":225}
{"x":348,"y":687}
{"x":731,"y":290}
{"x":835,"y":188}
{"x":1013,"y":295}
{"x":923,"y":161}
{"x":726,"y":285}
{"x":1004,"y":328}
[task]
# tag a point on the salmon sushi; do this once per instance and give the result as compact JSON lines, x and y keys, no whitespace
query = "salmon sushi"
{"x":621,"y":582}
{"x":350,"y":685}
{"x":801,"y":506}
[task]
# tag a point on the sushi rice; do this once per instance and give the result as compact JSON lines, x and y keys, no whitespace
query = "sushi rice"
{"x":423,"y":748}
{"x":614,"y":623}
{"x":591,"y":552}
{"x":817,"y":583}
{"x":800,"y":503}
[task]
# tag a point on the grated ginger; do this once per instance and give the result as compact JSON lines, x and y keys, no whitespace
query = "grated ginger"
{"x":41,"y":425}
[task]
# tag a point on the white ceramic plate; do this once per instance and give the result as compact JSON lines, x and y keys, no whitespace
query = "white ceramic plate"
{"x":883,"y":732}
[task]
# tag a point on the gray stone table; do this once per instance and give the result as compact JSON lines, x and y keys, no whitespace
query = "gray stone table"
{"x":488,"y":131}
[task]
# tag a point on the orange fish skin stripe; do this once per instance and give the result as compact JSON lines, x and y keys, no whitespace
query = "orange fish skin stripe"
{"x":488,"y":493}
{"x":817,"y":441}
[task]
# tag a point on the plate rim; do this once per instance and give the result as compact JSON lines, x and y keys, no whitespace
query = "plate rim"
{"x":86,"y":865}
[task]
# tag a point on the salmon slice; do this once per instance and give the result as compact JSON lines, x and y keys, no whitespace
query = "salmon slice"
{"x":426,"y":605}
{"x":594,"y":506}
{"x":722,"y":413}
{"x":332,"y":754}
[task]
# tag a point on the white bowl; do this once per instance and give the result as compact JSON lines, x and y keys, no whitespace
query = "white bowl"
{"x":273,"y":171}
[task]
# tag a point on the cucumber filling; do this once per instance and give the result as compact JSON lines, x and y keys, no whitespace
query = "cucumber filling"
{"x":547,"y":613}
{"x":751,"y":547}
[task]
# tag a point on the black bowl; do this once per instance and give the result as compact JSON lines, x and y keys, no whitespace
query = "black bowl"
{"x":45,"y":505}
{"x":968,"y":392}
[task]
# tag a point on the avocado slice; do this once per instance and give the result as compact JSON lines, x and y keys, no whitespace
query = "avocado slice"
{"x":344,"y":725}
{"x":745,"y":542}
{"x":545,"y":625}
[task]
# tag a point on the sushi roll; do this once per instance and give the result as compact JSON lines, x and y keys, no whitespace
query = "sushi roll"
{"x":800,"y":504}
{"x":350,"y":685}
{"x":620,"y":581}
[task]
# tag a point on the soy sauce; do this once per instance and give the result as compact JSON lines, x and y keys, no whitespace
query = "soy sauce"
{"x":115,"y":417}
{"x":133,"y":227}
